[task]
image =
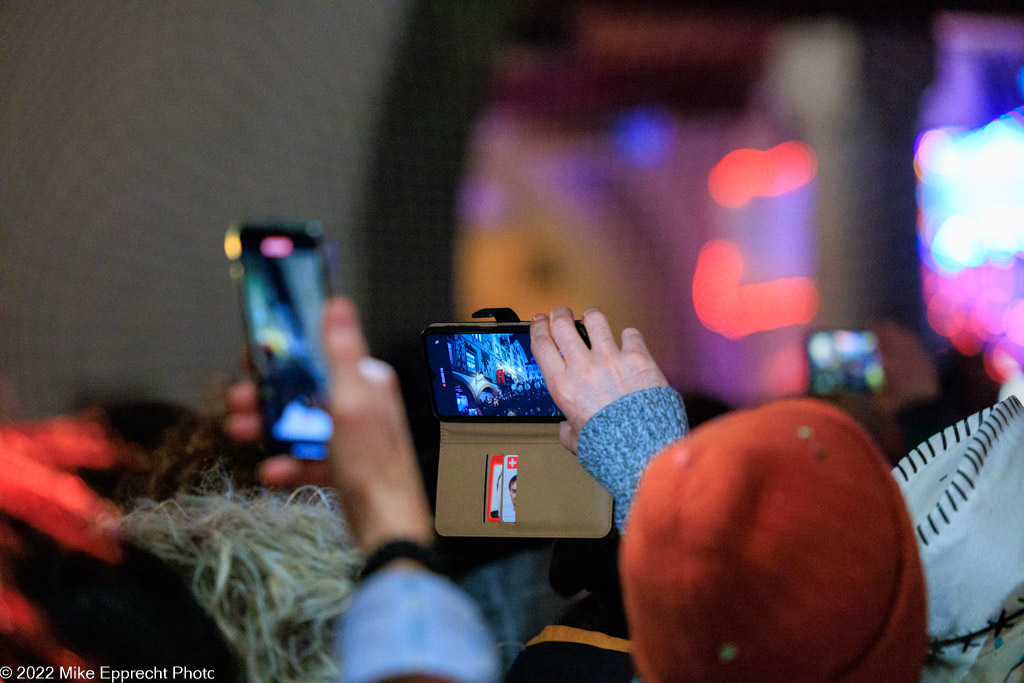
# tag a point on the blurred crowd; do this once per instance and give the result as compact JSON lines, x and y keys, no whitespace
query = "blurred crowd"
{"x":773,"y":542}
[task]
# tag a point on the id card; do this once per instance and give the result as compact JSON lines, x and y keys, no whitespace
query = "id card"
{"x":500,"y":492}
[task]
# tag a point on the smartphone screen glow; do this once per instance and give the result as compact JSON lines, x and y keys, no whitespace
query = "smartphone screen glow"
{"x":844,"y":361}
{"x":487,"y":376}
{"x":284,"y":297}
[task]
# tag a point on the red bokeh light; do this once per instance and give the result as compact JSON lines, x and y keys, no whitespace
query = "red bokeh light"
{"x":1001,"y":361}
{"x":734,"y":310}
{"x":747,"y":173}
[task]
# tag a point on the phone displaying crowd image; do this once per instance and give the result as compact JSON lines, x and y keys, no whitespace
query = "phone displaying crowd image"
{"x":844,"y":361}
{"x":486,"y":372}
{"x":282,"y":281}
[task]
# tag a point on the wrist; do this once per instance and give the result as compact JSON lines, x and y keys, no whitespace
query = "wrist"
{"x":401,"y":552}
{"x":380,"y":514}
{"x":619,"y":440}
{"x":371,"y":540}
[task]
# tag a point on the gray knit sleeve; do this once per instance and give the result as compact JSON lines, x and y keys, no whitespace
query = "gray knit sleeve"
{"x":617,"y":442}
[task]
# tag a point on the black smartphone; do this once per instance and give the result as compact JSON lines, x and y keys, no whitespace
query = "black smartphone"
{"x":487,"y":372}
{"x":282,"y":279}
{"x":844,"y":361}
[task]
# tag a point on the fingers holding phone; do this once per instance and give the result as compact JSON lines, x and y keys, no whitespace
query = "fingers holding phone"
{"x":243,"y":422}
{"x":584,"y":378}
{"x":317,"y":390}
{"x":371,"y":462}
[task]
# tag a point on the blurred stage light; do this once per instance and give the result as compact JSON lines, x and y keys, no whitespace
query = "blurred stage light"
{"x":233,"y":245}
{"x":735,"y":310}
{"x":645,"y":135}
{"x":971,"y":237}
{"x":747,"y":173}
{"x":1001,"y":362}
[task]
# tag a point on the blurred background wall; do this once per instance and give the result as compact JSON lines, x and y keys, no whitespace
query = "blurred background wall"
{"x":131,"y":136}
{"x":662,"y":160}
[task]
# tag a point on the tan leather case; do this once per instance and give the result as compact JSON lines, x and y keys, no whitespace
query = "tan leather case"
{"x":556,"y":497}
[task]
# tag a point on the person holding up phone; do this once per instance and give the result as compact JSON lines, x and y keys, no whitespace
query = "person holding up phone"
{"x":796,"y":485}
{"x":404,"y":619}
{"x":732,"y":536}
{"x":373,"y":465}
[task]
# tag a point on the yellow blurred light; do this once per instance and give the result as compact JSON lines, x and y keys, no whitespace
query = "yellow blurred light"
{"x":232,"y":245}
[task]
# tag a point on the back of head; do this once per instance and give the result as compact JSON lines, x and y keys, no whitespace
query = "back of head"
{"x":132,"y":614}
{"x":72,"y":593}
{"x":171,"y":449}
{"x":273,"y":569}
{"x":773,"y":544}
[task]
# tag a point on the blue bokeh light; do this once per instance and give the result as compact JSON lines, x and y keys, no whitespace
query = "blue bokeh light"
{"x":980,"y":199}
{"x":645,"y":135}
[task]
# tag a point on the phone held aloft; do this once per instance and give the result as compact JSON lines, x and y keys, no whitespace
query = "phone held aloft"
{"x":844,"y":361}
{"x":281,"y":275}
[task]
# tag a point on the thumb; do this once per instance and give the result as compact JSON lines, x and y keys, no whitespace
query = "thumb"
{"x":344,"y":344}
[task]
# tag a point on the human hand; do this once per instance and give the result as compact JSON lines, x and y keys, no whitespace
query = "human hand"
{"x":910,"y":372}
{"x":582,"y":381}
{"x":244,"y":424}
{"x":372,"y":461}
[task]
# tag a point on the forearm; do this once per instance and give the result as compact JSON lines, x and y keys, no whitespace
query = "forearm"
{"x":619,"y":440}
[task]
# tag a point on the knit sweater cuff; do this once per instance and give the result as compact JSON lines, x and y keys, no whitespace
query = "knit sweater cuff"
{"x":619,"y":440}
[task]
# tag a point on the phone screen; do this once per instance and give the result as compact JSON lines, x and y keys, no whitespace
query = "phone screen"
{"x":284,"y":289}
{"x":486,"y":374}
{"x":844,"y":361}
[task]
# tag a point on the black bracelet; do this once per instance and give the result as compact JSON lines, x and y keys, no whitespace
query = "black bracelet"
{"x":401,"y":550}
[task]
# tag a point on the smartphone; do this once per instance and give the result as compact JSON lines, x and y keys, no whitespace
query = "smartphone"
{"x":281,"y":275}
{"x":844,"y":361}
{"x":487,"y":372}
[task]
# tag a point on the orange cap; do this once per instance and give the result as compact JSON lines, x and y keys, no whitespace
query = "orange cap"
{"x":773,"y":544}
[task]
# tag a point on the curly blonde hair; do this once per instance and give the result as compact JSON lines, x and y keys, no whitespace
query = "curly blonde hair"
{"x":273,"y":569}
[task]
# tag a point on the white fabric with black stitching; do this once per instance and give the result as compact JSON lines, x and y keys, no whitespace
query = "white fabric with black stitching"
{"x":964,"y":488}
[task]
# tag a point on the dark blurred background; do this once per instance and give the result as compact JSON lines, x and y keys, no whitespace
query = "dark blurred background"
{"x":723,"y":175}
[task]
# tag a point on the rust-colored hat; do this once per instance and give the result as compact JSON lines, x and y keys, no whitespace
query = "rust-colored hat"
{"x":773,"y":544}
